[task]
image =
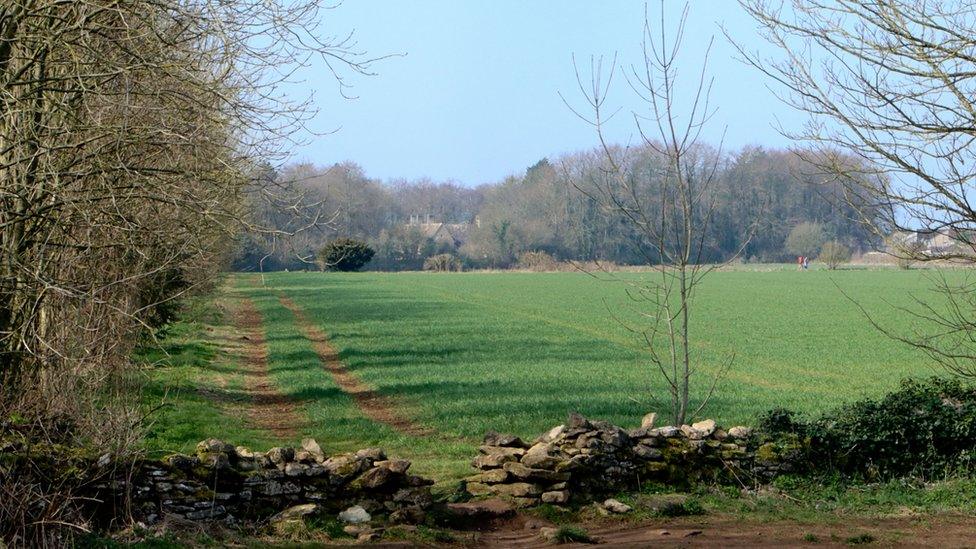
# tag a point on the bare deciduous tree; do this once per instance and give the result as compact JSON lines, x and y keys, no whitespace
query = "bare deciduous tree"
{"x":894,"y":83}
{"x":664,"y":191}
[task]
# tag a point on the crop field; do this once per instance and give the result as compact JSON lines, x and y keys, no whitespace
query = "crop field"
{"x":424,"y":364}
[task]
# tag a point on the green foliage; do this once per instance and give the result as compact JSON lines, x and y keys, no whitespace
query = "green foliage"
{"x":860,"y":539}
{"x":926,"y":428}
{"x":329,"y":525}
{"x":806,"y":239}
{"x":459,"y":493}
{"x":687,"y":508}
{"x":571,"y":534}
{"x":779,"y":421}
{"x":555,"y":514}
{"x":345,"y":254}
{"x":434,"y":535}
{"x":812,"y":499}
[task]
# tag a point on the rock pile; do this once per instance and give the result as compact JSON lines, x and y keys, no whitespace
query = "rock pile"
{"x":232,"y":484}
{"x":583,"y":460}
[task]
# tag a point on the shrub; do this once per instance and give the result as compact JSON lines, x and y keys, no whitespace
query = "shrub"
{"x":687,"y":508}
{"x":537,"y":261}
{"x":779,"y":421}
{"x":805,"y":239}
{"x":442,"y":262}
{"x":157,"y":296}
{"x":924,"y":428}
{"x":834,"y":253}
{"x":345,"y":254}
{"x":860,"y":539}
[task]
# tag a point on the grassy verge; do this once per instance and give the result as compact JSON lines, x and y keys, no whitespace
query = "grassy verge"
{"x":193,"y":388}
{"x":196,"y":391}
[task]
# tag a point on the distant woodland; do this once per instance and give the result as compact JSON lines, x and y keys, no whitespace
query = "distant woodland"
{"x":760,"y":195}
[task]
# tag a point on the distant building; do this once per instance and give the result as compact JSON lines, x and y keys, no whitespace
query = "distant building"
{"x":934,"y":244}
{"x":447,"y":235}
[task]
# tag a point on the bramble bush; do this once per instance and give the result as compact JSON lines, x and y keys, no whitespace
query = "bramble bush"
{"x":925,"y":428}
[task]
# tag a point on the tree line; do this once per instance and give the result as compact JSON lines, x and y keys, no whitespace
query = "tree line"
{"x":760,"y":194}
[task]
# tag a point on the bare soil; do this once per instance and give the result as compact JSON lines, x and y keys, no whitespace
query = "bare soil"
{"x":267,"y":408}
{"x":731,"y":531}
{"x":375,"y":406}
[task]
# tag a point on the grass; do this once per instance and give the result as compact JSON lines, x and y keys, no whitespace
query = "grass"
{"x":464,"y":353}
{"x":571,"y":534}
{"x":191,"y":385}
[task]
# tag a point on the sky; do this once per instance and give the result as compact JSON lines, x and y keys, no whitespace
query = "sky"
{"x":474,"y":97}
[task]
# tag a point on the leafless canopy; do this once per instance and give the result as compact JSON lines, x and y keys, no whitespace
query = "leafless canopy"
{"x":894,"y":82}
{"x":664,"y":189}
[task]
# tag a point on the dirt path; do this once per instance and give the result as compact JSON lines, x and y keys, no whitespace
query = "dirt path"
{"x":726,"y":531}
{"x":267,"y":408}
{"x":377,"y":407}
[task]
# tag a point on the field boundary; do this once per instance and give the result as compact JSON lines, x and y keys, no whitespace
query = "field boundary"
{"x":373,"y":405}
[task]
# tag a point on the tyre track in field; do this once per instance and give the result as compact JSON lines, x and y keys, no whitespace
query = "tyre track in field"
{"x":373,"y":405}
{"x":268,"y":408}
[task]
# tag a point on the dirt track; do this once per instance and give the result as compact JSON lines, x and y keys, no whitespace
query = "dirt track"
{"x":725,"y":531}
{"x":267,"y":408}
{"x":375,"y":406}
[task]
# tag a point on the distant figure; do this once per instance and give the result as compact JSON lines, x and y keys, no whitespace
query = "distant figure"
{"x":799,"y":262}
{"x":806,"y":263}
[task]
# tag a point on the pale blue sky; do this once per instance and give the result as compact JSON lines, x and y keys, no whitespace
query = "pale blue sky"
{"x":475,"y":97}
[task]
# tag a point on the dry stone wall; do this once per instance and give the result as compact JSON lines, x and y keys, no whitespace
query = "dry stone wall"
{"x":583,"y":460}
{"x":577,"y":462}
{"x":234,"y":485}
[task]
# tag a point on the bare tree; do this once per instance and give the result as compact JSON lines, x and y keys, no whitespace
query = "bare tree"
{"x":833,"y":254}
{"x":129,"y":134}
{"x":894,"y":83}
{"x":663,"y":189}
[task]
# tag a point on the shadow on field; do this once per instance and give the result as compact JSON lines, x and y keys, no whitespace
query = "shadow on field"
{"x":356,"y":358}
{"x":478,"y":354}
{"x":369,"y":305}
{"x":468,"y":405}
{"x":436,"y":355}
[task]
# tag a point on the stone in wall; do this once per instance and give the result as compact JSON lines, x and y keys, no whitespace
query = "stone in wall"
{"x":583,"y":460}
{"x":235,"y":485}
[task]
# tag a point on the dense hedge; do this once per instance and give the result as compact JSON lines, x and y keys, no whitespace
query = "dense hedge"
{"x":925,"y":428}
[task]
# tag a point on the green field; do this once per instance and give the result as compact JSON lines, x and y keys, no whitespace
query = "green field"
{"x":464,"y":353}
